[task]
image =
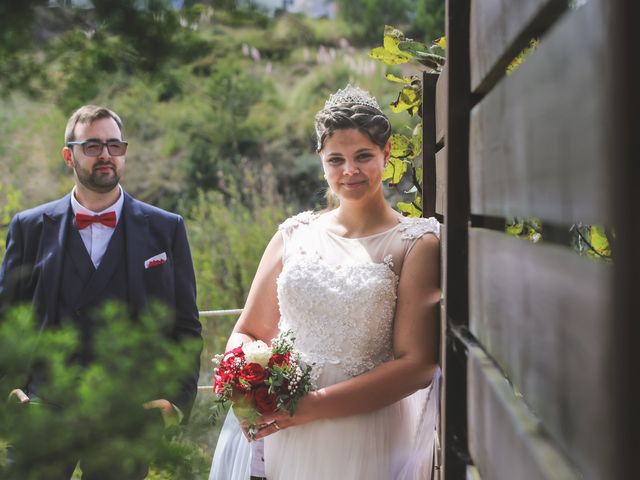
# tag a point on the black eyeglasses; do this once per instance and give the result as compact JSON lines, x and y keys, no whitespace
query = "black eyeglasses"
{"x":93,"y":148}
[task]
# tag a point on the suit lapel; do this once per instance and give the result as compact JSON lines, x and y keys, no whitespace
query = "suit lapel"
{"x":54,"y":237}
{"x":136,"y":227}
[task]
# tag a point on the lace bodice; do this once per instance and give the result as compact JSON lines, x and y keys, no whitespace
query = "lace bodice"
{"x":338,"y":294}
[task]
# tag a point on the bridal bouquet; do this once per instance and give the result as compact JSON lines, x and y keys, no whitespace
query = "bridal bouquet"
{"x":257,"y":379}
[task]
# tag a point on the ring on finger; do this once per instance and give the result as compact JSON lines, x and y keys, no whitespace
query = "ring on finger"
{"x":275,"y":424}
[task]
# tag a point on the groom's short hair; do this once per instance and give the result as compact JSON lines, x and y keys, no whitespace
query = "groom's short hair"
{"x":88,"y":114}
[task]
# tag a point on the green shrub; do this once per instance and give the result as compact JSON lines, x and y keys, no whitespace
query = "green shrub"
{"x":93,"y":411}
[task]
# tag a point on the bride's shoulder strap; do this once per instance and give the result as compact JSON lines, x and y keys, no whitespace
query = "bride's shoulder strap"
{"x":414,"y":228}
{"x":292,"y":223}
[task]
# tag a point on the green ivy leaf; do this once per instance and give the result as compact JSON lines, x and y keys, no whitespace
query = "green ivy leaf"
{"x":529,"y":228}
{"x":383,"y":55}
{"x":402,"y":147}
{"x":393,"y":78}
{"x":396,"y":168}
{"x":410,"y":209}
{"x":409,"y":100}
{"x":412,"y":47}
{"x":515,"y":230}
{"x":422,"y":53}
{"x":389,"y":53}
{"x":392,"y":39}
{"x":599,"y":241}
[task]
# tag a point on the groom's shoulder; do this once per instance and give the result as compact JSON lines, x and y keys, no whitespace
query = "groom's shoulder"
{"x":153,"y":212}
{"x":35,"y":214}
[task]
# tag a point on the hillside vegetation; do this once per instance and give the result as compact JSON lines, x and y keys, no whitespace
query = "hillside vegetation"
{"x":218,"y":104}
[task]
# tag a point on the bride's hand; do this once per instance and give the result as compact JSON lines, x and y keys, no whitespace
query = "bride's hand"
{"x":274,"y":422}
{"x":248,"y":431}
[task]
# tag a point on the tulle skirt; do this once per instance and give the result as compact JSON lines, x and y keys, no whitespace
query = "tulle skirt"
{"x":232,"y":458}
{"x":393,"y":443}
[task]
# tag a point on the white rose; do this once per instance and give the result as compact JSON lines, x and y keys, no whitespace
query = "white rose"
{"x":257,"y":352}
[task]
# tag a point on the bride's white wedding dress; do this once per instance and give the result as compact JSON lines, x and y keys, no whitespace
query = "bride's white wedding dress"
{"x":338,"y":297}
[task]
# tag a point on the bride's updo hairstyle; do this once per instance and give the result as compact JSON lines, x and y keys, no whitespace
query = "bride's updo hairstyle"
{"x":348,"y":108}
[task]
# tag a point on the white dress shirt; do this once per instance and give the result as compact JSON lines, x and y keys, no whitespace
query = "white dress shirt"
{"x":96,"y":236}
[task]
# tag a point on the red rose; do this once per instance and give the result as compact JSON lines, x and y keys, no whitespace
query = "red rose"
{"x":238,"y":352}
{"x":253,"y":373}
{"x":221,"y":378}
{"x":278,"y":359}
{"x":230,"y":357}
{"x":265,"y":402}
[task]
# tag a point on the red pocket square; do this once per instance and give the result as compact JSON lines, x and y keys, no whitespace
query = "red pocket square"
{"x":156,"y":260}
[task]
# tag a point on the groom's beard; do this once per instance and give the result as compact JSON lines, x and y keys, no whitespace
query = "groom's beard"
{"x":97,"y":182}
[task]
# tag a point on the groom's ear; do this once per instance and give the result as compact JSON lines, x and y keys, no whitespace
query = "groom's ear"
{"x":67,"y":155}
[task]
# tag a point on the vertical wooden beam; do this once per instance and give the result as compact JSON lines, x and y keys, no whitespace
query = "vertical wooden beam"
{"x":625,"y":396}
{"x":456,"y":315}
{"x":429,"y":81}
{"x":457,"y":141}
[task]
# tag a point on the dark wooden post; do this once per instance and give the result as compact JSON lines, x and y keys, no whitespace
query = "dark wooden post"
{"x":625,"y":395}
{"x":456,"y":316}
{"x":429,"y":81}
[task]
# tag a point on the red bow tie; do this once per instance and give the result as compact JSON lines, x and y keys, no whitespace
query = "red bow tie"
{"x":108,"y":219}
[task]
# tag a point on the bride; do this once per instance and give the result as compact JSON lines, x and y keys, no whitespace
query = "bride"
{"x":359,"y":287}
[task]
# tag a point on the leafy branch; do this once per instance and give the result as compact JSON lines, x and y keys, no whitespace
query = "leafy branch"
{"x":405,"y":158}
{"x":592,"y":241}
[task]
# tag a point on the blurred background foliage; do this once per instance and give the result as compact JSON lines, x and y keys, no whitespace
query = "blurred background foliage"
{"x":94,"y":412}
{"x":218,"y":99}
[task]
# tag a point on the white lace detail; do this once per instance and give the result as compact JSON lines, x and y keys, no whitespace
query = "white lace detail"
{"x":340,"y":314}
{"x":413,"y":228}
{"x":339,"y":301}
{"x":302,"y":218}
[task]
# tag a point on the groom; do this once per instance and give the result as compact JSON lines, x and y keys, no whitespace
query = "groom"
{"x":99,"y":244}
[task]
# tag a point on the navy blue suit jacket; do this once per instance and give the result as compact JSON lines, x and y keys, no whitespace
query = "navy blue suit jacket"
{"x":31,"y":268}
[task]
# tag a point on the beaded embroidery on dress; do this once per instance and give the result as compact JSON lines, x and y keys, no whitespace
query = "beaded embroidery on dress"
{"x":338,"y":295}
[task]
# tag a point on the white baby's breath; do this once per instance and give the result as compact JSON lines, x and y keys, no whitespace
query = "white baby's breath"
{"x":257,"y":352}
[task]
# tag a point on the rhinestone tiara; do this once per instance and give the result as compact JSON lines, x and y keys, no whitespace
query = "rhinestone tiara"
{"x":351,"y":94}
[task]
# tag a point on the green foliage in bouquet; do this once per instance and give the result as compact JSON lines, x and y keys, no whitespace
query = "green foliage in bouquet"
{"x":93,"y":411}
{"x":295,"y":379}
